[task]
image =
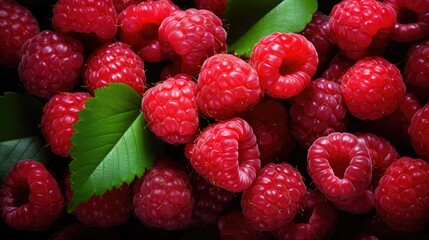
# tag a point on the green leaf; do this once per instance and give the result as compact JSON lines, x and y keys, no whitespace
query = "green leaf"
{"x":110,"y":145}
{"x":250,"y":20}
{"x":20,"y":135}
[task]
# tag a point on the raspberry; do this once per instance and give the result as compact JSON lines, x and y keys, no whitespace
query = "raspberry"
{"x":218,"y":7}
{"x":50,"y":63}
{"x":317,"y":111}
{"x":139,"y":27}
{"x":361,"y":27}
{"x":316,"y":220}
{"x":171,"y":110}
{"x":77,"y":230}
{"x":164,"y":197}
{"x":416,"y":71}
{"x":121,"y":5}
{"x":360,"y":204}
{"x":114,"y":62}
{"x":112,"y":208}
{"x":30,"y":198}
{"x":285,"y":63}
{"x":382,"y":154}
{"x":412,"y":19}
{"x":274,"y":197}
{"x":337,"y":67}
{"x":86,"y":17}
{"x":227,"y":86}
{"x":419,"y":132}
{"x":59,"y":115}
{"x":191,"y":36}
{"x":339,"y":165}
{"x":17,"y":25}
{"x":372,"y":88}
{"x":402,"y":198}
{"x":211,"y":202}
{"x":269,"y":121}
{"x":226,"y":153}
{"x":168,"y":71}
{"x":234,"y":226}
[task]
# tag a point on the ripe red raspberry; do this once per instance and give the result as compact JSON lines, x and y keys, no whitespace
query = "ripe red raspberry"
{"x":170,"y":109}
{"x":112,"y":208}
{"x":339,"y":165}
{"x":234,"y":226}
{"x":372,"y":88}
{"x":226,"y":153}
{"x":164,"y":197}
{"x":269,"y":121}
{"x":191,"y":36}
{"x":416,"y":70}
{"x":360,"y":204}
{"x":211,"y":202}
{"x":317,"y":32}
{"x":50,"y":63}
{"x":412,"y":19}
{"x":17,"y":25}
{"x":402,"y":197}
{"x":274,"y":197}
{"x":419,"y":132}
{"x":139,"y":27}
{"x":337,"y":67}
{"x":381,"y":152}
{"x":361,"y":27}
{"x":317,"y":111}
{"x":121,"y":5}
{"x":285,"y":63}
{"x":316,"y":220}
{"x":30,"y":198}
{"x":218,"y":7}
{"x":114,"y":62}
{"x":86,"y":17}
{"x":59,"y":115}
{"x":227,"y":86}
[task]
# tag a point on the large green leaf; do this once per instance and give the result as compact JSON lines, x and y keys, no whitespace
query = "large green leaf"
{"x":110,"y":145}
{"x":250,"y":20}
{"x":20,"y":135}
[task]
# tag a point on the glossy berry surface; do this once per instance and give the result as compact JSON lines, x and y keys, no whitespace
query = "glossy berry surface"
{"x":416,"y":73}
{"x":419,"y":132}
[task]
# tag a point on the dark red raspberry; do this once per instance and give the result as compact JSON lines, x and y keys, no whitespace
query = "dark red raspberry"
{"x":59,"y":115}
{"x":227,"y":86}
{"x":285,"y":63}
{"x":86,"y":17}
{"x":226,"y":153}
{"x":340,"y":166}
{"x":218,"y":7}
{"x":211,"y":202}
{"x":17,"y":25}
{"x":191,"y":36}
{"x":381,"y":152}
{"x":317,"y":32}
{"x":114,"y":63}
{"x":112,"y":208}
{"x":317,"y":111}
{"x":361,"y":27}
{"x":30,"y":198}
{"x":163,"y":197}
{"x":274,"y":197}
{"x":402,"y":197}
{"x":78,"y":230}
{"x":139,"y":27}
{"x":372,"y":88}
{"x":121,"y":5}
{"x":316,"y":220}
{"x":50,"y":63}
{"x":419,"y":132}
{"x":269,"y":121}
{"x":416,"y":70}
{"x":234,"y":226}
{"x":412,"y":19}
{"x":170,"y":109}
{"x":337,"y":67}
{"x":168,"y":71}
{"x":360,"y":204}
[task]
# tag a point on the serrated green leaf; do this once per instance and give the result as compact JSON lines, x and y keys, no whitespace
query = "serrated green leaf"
{"x":20,"y":135}
{"x":250,"y":20}
{"x":110,"y":145}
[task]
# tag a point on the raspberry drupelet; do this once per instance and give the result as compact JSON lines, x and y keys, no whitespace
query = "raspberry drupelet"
{"x":285,"y":63}
{"x":121,"y":5}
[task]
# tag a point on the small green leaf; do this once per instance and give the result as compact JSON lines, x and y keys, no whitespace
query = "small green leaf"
{"x":110,"y":145}
{"x":250,"y":20}
{"x":20,"y":135}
